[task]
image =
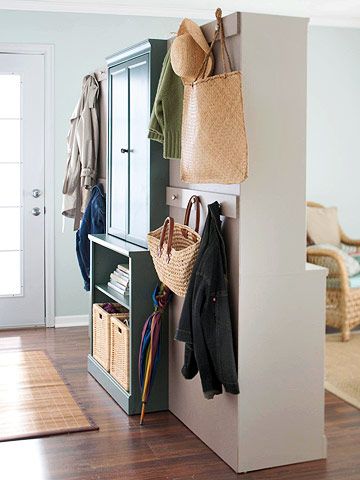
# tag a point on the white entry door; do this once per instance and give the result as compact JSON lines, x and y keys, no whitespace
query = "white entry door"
{"x":22,"y":275}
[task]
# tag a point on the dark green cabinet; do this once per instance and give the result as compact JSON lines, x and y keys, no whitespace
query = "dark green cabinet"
{"x":107,"y":252}
{"x":137,"y":173}
{"x":137,"y":177}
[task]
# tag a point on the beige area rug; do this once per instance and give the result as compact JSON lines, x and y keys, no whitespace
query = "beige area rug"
{"x":342,"y":377}
{"x":34,"y":400}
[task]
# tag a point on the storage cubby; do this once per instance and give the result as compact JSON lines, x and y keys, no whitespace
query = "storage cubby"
{"x":106,"y":253}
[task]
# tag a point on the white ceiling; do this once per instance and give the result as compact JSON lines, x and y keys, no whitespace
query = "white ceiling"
{"x":332,"y":12}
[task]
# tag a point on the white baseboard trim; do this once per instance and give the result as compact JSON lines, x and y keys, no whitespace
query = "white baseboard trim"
{"x":72,"y":321}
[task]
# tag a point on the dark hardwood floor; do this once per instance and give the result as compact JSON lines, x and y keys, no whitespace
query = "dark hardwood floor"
{"x":163,"y":449}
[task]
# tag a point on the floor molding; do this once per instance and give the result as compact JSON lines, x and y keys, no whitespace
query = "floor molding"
{"x":71,"y":321}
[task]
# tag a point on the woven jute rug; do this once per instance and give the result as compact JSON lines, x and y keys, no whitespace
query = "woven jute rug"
{"x":342,"y":376}
{"x":34,"y":400}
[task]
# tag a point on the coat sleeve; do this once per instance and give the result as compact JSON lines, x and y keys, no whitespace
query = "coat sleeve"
{"x":156,"y":125}
{"x":190,"y":368}
{"x":88,"y":139}
{"x":166,"y":117}
{"x":72,"y":173}
{"x":220,"y":342}
{"x":184,"y":332}
{"x":204,"y":335}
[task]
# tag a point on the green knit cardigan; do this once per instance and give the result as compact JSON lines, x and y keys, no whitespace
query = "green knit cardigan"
{"x":166,"y":116}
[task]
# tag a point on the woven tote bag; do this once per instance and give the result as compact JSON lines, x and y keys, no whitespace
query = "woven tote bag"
{"x":213,"y":138}
{"x":174,"y":248}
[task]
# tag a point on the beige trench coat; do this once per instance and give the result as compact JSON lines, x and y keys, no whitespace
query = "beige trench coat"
{"x":83,"y":146}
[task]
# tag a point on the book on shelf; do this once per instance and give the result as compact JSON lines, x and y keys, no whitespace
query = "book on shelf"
{"x":121,"y":274}
{"x":119,"y":279}
{"x":123,"y":268}
{"x":119,"y":285}
{"x":118,"y":288}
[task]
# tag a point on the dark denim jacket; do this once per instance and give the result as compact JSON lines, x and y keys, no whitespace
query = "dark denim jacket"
{"x":93,"y":221}
{"x":205,"y":323}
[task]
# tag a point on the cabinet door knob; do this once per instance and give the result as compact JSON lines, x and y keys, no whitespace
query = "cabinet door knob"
{"x":124,"y":150}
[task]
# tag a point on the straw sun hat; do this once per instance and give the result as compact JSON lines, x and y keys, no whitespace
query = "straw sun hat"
{"x":188,"y":51}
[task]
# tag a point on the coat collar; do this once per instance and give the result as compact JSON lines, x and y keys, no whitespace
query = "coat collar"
{"x":89,"y":94}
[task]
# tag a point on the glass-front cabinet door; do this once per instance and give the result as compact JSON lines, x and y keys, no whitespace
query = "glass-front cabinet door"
{"x":129,"y":150}
{"x":137,"y":173}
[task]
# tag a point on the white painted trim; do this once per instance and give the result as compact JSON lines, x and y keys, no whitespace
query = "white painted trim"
{"x":109,"y":8}
{"x":72,"y":321}
{"x":321,"y":12}
{"x":49,"y":166}
{"x":49,"y":186}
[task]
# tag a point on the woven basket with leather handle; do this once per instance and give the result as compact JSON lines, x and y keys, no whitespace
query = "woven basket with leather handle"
{"x":213,"y":143}
{"x":174,"y":248}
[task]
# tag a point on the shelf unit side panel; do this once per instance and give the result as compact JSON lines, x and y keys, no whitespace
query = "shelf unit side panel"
{"x":144,"y":280}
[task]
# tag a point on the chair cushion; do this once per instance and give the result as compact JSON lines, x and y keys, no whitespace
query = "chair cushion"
{"x":322,"y":225}
{"x":352,"y":250}
{"x":351,"y":264}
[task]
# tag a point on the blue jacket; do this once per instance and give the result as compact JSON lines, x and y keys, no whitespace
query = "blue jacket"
{"x":93,"y":222}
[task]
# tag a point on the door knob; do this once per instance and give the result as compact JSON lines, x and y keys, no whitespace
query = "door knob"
{"x":124,"y":150}
{"x":36,"y":193}
{"x":36,"y":211}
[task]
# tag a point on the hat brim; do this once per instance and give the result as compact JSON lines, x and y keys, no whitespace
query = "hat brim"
{"x":193,"y":29}
{"x":208,"y":71}
{"x":188,"y":26}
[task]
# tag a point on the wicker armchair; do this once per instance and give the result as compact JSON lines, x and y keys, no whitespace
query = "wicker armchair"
{"x":342,"y":301}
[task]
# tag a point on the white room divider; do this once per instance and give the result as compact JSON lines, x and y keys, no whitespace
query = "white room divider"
{"x":278,"y":302}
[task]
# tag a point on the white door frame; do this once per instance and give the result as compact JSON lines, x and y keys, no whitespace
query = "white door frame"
{"x":49,"y":154}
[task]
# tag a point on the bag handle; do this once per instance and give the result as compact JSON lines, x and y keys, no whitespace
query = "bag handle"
{"x":169,"y":222}
{"x":218,"y":30}
{"x":193,"y":200}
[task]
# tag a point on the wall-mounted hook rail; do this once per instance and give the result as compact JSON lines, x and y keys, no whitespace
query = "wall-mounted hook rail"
{"x":179,"y":197}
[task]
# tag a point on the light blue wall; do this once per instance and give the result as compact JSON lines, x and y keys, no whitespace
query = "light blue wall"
{"x":82,"y":42}
{"x":333,"y":145}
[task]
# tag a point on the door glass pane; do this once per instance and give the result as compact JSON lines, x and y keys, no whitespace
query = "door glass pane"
{"x":10,"y":190}
{"x":9,"y":140}
{"x":9,"y":96}
{"x":10,"y":273}
{"x":10,"y":185}
{"x":10,"y":229}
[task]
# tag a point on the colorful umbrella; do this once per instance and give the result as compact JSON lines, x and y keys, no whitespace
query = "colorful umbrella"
{"x":150,"y":344}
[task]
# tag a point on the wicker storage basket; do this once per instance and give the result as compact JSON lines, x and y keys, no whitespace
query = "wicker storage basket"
{"x":101,"y":332}
{"x":120,"y":353}
{"x":174,"y":248}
